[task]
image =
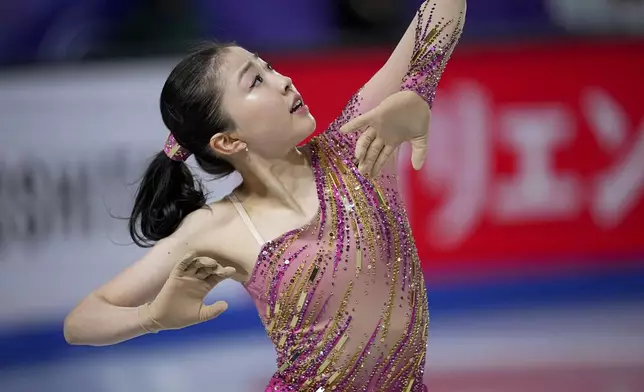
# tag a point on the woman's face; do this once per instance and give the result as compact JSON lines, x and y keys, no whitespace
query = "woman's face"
{"x":269,"y":114}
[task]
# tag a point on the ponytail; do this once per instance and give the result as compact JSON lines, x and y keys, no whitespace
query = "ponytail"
{"x":191,"y":110}
{"x":168,"y":192}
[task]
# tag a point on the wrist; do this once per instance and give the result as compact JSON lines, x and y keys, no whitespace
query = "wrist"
{"x":414,"y":97}
{"x":417,"y":91}
{"x":146,"y":320}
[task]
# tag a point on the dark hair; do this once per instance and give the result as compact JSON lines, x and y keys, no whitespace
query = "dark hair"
{"x":191,"y":109}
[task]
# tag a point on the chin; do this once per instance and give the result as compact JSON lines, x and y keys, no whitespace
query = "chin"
{"x":313,"y":123}
{"x":308,"y":133}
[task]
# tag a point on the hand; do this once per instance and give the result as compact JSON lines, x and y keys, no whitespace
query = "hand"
{"x":180,"y":302}
{"x":403,"y":116}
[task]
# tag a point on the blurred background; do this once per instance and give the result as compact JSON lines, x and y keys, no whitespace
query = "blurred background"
{"x":528,"y":214}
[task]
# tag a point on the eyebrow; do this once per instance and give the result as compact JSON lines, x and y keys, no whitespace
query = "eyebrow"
{"x":246,"y":67}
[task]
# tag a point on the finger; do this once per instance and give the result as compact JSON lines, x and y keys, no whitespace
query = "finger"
{"x":366,"y":165}
{"x":182,"y":266}
{"x":418,"y":152}
{"x":357,"y":123}
{"x":384,"y":156}
{"x":209,"y":312}
{"x":202,"y":267}
{"x":204,"y":272}
{"x":202,"y":262}
{"x":225,"y":271}
{"x":363,"y":143}
{"x":220,"y":275}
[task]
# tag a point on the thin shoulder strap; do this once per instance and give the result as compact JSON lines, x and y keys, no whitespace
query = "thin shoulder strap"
{"x":246,"y":218}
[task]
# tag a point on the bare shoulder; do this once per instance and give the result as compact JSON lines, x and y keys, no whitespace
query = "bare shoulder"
{"x":201,"y":228}
{"x":210,"y":217}
{"x":217,"y":232}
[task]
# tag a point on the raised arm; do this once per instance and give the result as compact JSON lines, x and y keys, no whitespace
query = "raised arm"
{"x":384,"y":114}
{"x":419,"y":59}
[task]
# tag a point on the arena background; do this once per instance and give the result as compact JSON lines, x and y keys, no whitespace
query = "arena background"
{"x":528,"y":214}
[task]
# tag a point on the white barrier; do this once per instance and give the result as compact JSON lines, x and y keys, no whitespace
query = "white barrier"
{"x":71,"y":141}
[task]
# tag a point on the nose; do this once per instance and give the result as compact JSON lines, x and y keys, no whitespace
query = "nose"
{"x":287,"y":84}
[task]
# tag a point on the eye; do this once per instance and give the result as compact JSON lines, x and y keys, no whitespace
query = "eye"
{"x":269,"y":66}
{"x":258,"y":79}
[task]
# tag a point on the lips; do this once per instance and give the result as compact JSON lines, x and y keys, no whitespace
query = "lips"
{"x":297,"y":103}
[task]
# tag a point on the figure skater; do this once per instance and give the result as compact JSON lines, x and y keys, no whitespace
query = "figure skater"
{"x":317,"y":235}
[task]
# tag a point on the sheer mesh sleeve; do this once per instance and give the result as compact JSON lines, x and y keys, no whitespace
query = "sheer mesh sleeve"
{"x":437,"y":32}
{"x":416,"y":64}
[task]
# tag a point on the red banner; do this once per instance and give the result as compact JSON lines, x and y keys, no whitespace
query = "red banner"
{"x":534,"y":150}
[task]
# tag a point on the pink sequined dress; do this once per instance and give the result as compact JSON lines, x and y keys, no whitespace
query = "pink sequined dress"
{"x":343,"y":298}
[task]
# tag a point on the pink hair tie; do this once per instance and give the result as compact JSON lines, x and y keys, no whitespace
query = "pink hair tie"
{"x":174,"y":150}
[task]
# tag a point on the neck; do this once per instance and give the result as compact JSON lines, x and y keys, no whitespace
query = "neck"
{"x":283,"y":180}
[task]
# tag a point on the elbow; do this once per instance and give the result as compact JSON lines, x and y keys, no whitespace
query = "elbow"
{"x":81,"y":326}
{"x":75,"y":326}
{"x":74,"y":334}
{"x":70,"y":329}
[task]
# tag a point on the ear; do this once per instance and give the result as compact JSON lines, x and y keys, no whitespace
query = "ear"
{"x":226,"y":144}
